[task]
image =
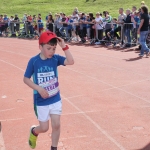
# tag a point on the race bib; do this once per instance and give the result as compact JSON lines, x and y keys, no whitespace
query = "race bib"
{"x":51,"y":86}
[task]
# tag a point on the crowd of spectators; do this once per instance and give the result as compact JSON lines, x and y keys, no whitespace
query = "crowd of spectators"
{"x":78,"y":26}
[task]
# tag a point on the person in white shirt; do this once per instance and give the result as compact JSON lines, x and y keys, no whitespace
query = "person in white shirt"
{"x":99,"y":28}
{"x":122,"y":16}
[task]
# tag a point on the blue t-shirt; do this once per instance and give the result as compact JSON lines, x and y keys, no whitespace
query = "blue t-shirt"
{"x":82,"y":25}
{"x":46,"y":18}
{"x":45,"y":74}
{"x":40,"y":24}
{"x":6,"y":19}
{"x":70,"y":24}
{"x":137,"y":20}
{"x":88,"y":25}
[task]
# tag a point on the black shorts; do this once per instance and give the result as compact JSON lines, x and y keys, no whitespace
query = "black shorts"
{"x":2,"y":28}
{"x":112,"y":32}
{"x":6,"y":26}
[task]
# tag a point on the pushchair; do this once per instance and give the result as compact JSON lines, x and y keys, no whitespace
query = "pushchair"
{"x":63,"y":34}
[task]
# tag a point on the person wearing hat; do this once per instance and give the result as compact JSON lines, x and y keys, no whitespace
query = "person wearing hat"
{"x":142,"y":3}
{"x":47,"y":100}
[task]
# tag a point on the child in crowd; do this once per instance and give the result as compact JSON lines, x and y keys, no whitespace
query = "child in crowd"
{"x":75,"y":26}
{"x":128,"y":27}
{"x":111,"y":33}
{"x":30,"y":24}
{"x":99,"y":28}
{"x":58,"y":24}
{"x":70,"y":22}
{"x":40,"y":25}
{"x":82,"y":23}
{"x":6,"y":20}
{"x":136,"y":22}
{"x":64,"y":23}
{"x":107,"y":20}
{"x":1,"y":25}
{"x":36,"y":34}
{"x":88,"y":26}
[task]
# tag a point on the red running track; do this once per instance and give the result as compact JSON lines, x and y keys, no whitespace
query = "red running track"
{"x":106,"y":99}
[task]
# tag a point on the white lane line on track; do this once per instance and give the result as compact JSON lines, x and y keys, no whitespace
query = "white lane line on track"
{"x":113,"y":87}
{"x":85,"y":115}
{"x":96,"y":125}
{"x":94,"y":62}
{"x":6,"y":109}
{"x":79,"y":72}
{"x":83,"y":112}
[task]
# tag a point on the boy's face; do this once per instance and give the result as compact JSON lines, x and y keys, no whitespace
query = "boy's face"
{"x":120,"y":11}
{"x":133,"y":9}
{"x":48,"y":50}
{"x":114,"y":21}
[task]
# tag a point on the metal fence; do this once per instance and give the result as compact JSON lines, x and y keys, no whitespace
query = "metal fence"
{"x":127,"y":34}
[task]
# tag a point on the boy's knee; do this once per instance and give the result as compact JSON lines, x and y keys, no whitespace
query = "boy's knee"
{"x":56,"y":126}
{"x":44,"y":129}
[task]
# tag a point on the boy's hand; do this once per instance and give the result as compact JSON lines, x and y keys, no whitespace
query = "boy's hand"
{"x":61,"y":42}
{"x":44,"y":94}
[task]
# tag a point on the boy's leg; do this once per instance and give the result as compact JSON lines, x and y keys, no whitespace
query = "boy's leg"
{"x":55,"y":114}
{"x":55,"y":123}
{"x":43,"y":116}
{"x":42,"y":127}
{"x":35,"y":130}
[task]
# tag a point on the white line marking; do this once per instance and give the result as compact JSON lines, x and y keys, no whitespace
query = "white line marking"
{"x":11,"y":64}
{"x":80,"y":112}
{"x":103,"y":55}
{"x":7,"y":109}
{"x":12,"y":119}
{"x":113,"y":87}
{"x":61,"y":139}
{"x":95,"y":62}
{"x":87,"y":117}
{"x":74,"y":96}
{"x":96,"y":125}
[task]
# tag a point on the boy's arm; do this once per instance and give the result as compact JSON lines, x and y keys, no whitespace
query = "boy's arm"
{"x":69,"y":58}
{"x":36,"y":87}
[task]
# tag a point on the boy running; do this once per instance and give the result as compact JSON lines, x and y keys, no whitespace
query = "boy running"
{"x":47,"y":100}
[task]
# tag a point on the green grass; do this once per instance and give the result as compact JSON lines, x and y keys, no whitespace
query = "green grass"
{"x":45,"y":6}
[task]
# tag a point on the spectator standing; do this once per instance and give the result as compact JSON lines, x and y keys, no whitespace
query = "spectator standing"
{"x":50,"y":23}
{"x":122,"y":16}
{"x":143,"y":30}
{"x":99,"y":28}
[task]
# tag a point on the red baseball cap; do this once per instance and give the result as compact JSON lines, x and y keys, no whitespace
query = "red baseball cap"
{"x":46,"y":36}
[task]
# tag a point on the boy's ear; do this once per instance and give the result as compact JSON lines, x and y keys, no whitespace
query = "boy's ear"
{"x":40,"y":47}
